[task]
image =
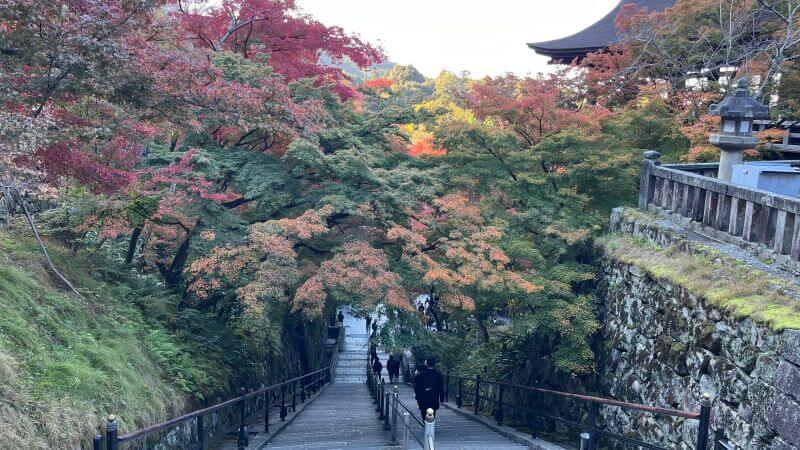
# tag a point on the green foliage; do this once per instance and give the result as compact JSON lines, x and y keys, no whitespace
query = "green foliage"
{"x":70,"y":355}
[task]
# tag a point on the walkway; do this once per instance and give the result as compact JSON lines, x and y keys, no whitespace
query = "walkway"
{"x":343,"y":416}
{"x":454,"y":431}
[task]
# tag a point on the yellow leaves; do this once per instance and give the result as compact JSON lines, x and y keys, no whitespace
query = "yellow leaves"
{"x":773,"y":135}
{"x":459,"y":300}
{"x":422,"y":141}
{"x":570,"y":236}
{"x":310,"y":224}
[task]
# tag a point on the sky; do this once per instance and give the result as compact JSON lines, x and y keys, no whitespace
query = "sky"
{"x":486,"y":37}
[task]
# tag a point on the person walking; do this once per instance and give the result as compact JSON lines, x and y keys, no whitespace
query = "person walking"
{"x":429,"y":388}
{"x":373,"y":354}
{"x":393,"y":367}
{"x":340,"y":317}
{"x":369,"y":321}
{"x":377,"y":367}
{"x":374,"y":329}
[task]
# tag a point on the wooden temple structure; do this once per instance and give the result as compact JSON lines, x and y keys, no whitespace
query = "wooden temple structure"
{"x":596,"y":37}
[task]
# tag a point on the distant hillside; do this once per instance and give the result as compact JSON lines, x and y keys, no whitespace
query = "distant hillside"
{"x":355,"y":72}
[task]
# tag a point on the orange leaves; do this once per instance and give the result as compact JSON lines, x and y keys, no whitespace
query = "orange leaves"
{"x":361,"y":272}
{"x":310,"y":296}
{"x":422,"y":141}
{"x":460,"y":209}
{"x":425,"y":147}
{"x":310,"y":224}
{"x":378,"y":84}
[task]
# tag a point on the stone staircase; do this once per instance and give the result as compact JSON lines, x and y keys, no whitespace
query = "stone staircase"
{"x":343,"y":415}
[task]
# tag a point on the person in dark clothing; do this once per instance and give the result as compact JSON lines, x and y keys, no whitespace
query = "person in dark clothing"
{"x":374,"y":328}
{"x":429,"y":388}
{"x":340,"y":317}
{"x":393,"y":367}
{"x":377,"y":367}
{"x":369,"y":321}
{"x":373,"y":354}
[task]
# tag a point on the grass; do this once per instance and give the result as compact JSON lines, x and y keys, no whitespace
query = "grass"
{"x":715,"y":277}
{"x":67,"y":362}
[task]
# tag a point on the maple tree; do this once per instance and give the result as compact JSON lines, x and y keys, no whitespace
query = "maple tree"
{"x":293,"y":41}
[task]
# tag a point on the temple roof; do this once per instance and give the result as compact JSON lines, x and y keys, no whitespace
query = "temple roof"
{"x":599,"y":35}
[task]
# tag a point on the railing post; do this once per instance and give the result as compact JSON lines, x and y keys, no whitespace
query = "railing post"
{"x":97,"y":442}
{"x":477,"y":393}
{"x":294,"y":395}
{"x":646,"y":184}
{"x":535,"y":414}
{"x":379,"y":398}
{"x":430,"y":430}
{"x":719,"y":436}
{"x":393,"y":436}
{"x":283,"y":399}
{"x":460,"y":398}
{"x":303,"y":389}
{"x":405,"y":429}
{"x":266,"y":411}
{"x":242,"y":441}
{"x":447,"y":386}
{"x":111,"y":433}
{"x":377,"y":387}
{"x":592,"y":426}
{"x":201,"y":433}
{"x":498,"y":415}
{"x":705,"y":416}
{"x":387,"y":398}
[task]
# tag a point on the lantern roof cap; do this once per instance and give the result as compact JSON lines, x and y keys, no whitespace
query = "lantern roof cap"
{"x":740,"y":104}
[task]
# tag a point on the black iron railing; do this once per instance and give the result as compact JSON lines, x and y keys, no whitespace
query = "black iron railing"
{"x":283,"y":396}
{"x":492,"y":397}
{"x":389,"y":408}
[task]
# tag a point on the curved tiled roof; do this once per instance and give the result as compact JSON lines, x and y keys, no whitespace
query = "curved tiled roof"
{"x":599,"y":35}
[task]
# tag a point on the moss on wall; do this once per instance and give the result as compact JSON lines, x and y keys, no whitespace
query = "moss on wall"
{"x":717,"y":278}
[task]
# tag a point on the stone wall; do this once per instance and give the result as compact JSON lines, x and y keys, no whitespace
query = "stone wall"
{"x":662,"y":345}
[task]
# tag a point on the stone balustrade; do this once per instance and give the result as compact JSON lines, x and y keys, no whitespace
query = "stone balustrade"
{"x":737,"y":213}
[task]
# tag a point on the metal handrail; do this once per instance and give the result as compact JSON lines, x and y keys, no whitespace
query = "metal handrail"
{"x":166,"y":424}
{"x":380,"y":392}
{"x":311,"y":381}
{"x":599,"y":400}
{"x":497,"y":404}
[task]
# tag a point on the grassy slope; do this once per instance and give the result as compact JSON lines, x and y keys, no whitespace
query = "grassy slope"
{"x":719,"y":279}
{"x":65,"y":362}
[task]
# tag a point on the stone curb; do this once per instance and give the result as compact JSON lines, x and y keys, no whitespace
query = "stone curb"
{"x":510,"y":433}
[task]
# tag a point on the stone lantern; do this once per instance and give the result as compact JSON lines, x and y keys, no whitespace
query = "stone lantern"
{"x":737,"y":113}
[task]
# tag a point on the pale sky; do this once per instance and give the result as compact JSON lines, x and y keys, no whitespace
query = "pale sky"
{"x":486,"y":37}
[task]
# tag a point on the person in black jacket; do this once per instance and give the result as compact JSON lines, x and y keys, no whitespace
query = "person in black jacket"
{"x":373,"y":354}
{"x":393,"y":367}
{"x":369,"y":321}
{"x":429,"y":388}
{"x":340,"y":317}
{"x":377,"y":367}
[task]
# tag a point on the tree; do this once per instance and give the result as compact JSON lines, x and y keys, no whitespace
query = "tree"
{"x":293,"y":41}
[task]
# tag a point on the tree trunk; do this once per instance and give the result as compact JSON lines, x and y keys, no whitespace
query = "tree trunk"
{"x":174,"y":273}
{"x":133,"y":244}
{"x":484,"y":331}
{"x":24,"y":205}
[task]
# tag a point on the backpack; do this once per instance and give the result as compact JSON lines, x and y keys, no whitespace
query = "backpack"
{"x":429,"y":387}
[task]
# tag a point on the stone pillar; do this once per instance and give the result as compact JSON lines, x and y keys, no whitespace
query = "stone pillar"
{"x":646,"y":182}
{"x":726,"y":161}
